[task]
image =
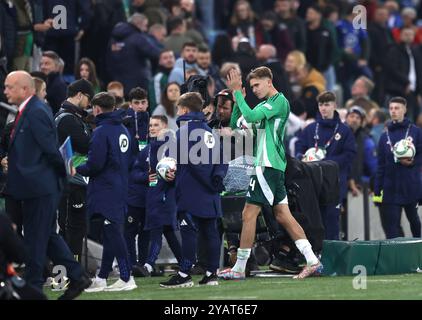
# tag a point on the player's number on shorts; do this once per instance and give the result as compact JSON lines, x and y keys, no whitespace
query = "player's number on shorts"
{"x":252,"y":184}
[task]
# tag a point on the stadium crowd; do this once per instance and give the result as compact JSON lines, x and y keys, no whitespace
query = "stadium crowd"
{"x":352,"y":79}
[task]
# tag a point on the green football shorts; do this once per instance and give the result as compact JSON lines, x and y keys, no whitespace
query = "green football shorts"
{"x":266,"y":187}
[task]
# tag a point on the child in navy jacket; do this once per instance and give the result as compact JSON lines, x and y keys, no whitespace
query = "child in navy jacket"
{"x":336,"y":138}
{"x":137,"y":119}
{"x":160,"y":218}
{"x":199,"y":181}
{"x":107,"y":168}
{"x":399,"y":180}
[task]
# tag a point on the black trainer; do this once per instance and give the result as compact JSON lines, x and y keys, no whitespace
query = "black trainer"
{"x":139,"y":271}
{"x":211,"y":280}
{"x":177,"y":281}
{"x":285,"y":265}
{"x":76,"y":287}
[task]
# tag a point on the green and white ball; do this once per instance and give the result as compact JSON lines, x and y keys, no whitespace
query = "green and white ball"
{"x":164,"y":165}
{"x":404,"y":149}
{"x":314,"y":154}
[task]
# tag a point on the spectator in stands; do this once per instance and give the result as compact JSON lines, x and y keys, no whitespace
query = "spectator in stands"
{"x":398,"y":181}
{"x":186,"y":10}
{"x":130,"y":49}
{"x":271,"y":33}
{"x":157,"y":34}
{"x":152,"y":9}
{"x":381,"y":39}
{"x":86,"y":70}
{"x":404,"y":72}
{"x":354,"y":44}
{"x":222,"y":50}
{"x":320,"y":48}
{"x":206,"y":67}
{"x":166,"y":63}
{"x":361,"y":90}
{"x":295,"y":61}
{"x":8,"y":36}
{"x":364,"y":164}
{"x":168,"y":107}
{"x":394,"y":20}
{"x":94,"y":43}
{"x":243,"y":22}
{"x":176,"y":28}
{"x":116,"y":88}
{"x":376,"y":123}
{"x":56,"y":86}
{"x":293,"y":23}
{"x":189,"y":55}
{"x":62,"y":40}
{"x":409,"y":16}
{"x":312,"y":84}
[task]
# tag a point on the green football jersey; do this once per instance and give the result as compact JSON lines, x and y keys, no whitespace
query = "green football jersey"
{"x":269,"y":120}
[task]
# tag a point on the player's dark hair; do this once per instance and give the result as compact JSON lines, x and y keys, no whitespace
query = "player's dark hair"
{"x":401,"y":100}
{"x":137,"y":94}
{"x":104,"y":100}
{"x":326,"y":96}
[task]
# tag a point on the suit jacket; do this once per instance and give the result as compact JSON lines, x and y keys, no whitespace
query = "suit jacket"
{"x":36,"y":167}
{"x":397,"y":70}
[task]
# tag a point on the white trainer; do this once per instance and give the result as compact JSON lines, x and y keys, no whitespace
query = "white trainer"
{"x":97,"y":285}
{"x":120,"y":285}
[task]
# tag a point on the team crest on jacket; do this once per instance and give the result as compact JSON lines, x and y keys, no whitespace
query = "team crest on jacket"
{"x":209,"y":140}
{"x":123,"y":143}
{"x":337,"y":137}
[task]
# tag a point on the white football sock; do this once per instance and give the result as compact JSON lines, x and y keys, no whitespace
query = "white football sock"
{"x":305,"y":248}
{"x":183,"y":275}
{"x":242,"y":259}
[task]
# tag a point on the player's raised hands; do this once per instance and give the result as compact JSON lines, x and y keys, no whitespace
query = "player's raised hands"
{"x":234,"y":80}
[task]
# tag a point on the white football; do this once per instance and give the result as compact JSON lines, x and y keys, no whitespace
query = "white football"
{"x":313,"y":154}
{"x":404,"y":149}
{"x":164,"y":165}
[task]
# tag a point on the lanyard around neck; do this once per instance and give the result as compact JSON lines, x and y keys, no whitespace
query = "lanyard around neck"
{"x":316,"y":136}
{"x":388,"y":136}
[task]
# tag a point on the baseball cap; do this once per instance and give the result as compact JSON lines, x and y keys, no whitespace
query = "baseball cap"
{"x":358,"y":110}
{"x":81,"y":85}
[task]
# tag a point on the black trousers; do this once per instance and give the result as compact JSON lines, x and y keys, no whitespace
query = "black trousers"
{"x":42,"y":241}
{"x":73,"y":218}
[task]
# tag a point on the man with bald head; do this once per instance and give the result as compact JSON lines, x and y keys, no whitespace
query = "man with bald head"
{"x":35,"y":176}
{"x":267,"y":56}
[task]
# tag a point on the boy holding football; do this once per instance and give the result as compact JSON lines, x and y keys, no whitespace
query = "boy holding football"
{"x":398,"y":178}
{"x":160,"y":217}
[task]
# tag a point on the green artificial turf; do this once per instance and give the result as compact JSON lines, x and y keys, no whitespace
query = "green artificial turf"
{"x":406,"y":286}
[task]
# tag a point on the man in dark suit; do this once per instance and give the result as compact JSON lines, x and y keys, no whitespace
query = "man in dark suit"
{"x":35,"y":173}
